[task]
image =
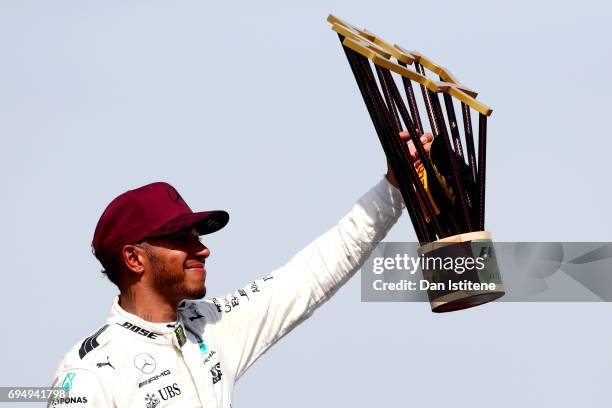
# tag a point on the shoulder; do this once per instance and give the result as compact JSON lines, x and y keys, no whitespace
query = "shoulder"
{"x":215,"y":308}
{"x":79,"y":373}
{"x":97,"y":352}
{"x":228,"y":302}
{"x":85,"y":351}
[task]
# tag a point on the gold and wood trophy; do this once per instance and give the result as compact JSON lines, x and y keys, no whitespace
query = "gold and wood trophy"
{"x":445,"y":192}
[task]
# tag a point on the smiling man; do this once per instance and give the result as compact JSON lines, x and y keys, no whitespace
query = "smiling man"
{"x":162,"y":344}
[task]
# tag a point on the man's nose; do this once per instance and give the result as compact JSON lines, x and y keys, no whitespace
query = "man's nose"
{"x":202,"y":251}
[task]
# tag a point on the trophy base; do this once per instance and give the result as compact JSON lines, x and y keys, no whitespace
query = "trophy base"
{"x":462,"y":286}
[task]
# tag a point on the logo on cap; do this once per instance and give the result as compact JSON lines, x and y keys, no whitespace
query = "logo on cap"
{"x":173,"y":194}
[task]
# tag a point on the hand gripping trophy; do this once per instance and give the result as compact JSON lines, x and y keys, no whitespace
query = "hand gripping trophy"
{"x":445,"y":192}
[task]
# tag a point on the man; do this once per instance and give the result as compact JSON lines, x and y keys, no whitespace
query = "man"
{"x":163,"y":346}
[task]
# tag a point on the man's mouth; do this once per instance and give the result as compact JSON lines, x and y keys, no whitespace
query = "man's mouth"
{"x":196,"y":266}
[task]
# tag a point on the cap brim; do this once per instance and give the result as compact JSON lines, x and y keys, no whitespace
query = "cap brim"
{"x":205,"y":222}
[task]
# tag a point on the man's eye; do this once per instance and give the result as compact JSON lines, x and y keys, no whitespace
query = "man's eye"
{"x":187,"y":238}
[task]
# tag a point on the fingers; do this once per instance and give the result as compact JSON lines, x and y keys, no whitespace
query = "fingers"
{"x":427,"y":142}
{"x":426,"y":139}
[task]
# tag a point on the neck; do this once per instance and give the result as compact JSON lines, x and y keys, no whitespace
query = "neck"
{"x":149,"y":306}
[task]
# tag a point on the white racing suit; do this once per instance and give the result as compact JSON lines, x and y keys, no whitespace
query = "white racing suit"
{"x":195,"y":361}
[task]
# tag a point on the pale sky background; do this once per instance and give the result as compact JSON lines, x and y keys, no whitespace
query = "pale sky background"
{"x":251,"y":107}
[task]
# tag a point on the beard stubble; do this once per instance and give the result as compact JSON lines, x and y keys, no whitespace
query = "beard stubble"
{"x":173,"y":284}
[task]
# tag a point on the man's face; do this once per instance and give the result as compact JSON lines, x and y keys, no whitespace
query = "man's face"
{"x":176,"y":265}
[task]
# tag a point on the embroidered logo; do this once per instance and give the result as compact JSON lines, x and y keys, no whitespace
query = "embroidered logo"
{"x":216,"y":373}
{"x":151,"y":400}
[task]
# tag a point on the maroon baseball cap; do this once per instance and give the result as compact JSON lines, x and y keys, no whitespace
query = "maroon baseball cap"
{"x":149,"y":211}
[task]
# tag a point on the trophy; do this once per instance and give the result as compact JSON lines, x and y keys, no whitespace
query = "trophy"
{"x":444,"y":192}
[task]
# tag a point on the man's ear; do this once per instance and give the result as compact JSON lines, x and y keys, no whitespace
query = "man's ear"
{"x":135,"y":258}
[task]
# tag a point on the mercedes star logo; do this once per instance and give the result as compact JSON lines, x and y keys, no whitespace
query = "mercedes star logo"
{"x":145,"y":363}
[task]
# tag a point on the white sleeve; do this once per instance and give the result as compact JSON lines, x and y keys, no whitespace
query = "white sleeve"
{"x":83,"y":387}
{"x":254,"y":318}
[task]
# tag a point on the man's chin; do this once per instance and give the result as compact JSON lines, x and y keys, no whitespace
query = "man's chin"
{"x":195,"y":294}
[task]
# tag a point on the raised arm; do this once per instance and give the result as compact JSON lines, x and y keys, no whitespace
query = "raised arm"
{"x":258,"y":315}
